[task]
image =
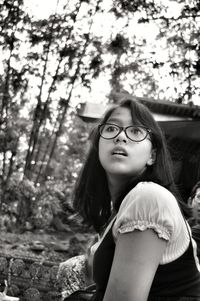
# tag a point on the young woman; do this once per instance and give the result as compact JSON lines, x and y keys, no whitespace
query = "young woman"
{"x":194,"y":204}
{"x":194,"y":220}
{"x":126,"y":191}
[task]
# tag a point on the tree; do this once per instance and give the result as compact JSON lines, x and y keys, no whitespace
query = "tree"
{"x":49,"y":66}
{"x":13,"y":22}
{"x":70,"y":56}
{"x":178,"y":42}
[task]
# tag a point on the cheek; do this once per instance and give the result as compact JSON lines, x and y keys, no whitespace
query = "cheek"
{"x":143,"y":151}
{"x":194,"y":204}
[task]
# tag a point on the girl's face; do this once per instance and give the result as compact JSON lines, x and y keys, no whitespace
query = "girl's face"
{"x":196,"y":205}
{"x":196,"y":199}
{"x":122,"y":158}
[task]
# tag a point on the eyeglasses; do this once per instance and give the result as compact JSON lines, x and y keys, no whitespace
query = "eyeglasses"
{"x":133,"y":132}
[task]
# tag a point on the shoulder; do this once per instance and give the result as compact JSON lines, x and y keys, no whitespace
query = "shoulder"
{"x":151,"y":206}
{"x":149,"y":195}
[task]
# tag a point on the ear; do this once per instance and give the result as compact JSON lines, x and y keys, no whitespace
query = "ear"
{"x":152,"y":158}
{"x":189,"y":201}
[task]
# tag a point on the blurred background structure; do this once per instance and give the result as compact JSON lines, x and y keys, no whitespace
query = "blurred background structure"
{"x":53,"y":63}
{"x":62,"y":64}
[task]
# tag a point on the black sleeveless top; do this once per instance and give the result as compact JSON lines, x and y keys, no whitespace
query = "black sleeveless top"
{"x":176,"y":281}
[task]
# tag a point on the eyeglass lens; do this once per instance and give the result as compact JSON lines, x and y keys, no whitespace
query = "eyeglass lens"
{"x":135,"y":133}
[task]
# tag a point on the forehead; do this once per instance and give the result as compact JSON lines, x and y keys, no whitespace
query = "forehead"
{"x":120,"y":114}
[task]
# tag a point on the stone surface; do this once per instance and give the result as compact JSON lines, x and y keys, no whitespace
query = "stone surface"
{"x":29,"y":279}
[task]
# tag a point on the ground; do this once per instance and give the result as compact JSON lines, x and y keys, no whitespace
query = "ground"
{"x":29,"y":261}
{"x":53,"y":245}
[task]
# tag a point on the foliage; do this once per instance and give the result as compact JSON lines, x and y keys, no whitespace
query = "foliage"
{"x":27,"y":207}
{"x":48,"y":66}
{"x":173,"y":75}
{"x":18,"y":199}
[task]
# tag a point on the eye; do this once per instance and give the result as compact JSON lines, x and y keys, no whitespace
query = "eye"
{"x":109,"y":128}
{"x":198,"y":197}
{"x":136,"y":130}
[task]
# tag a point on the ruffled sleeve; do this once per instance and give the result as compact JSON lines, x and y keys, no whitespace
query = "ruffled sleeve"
{"x":151,"y":206}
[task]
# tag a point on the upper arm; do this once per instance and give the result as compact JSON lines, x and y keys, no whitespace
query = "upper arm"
{"x":148,"y":220}
{"x":137,"y":256}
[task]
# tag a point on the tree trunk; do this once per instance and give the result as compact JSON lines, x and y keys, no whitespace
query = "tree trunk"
{"x":48,"y":146}
{"x":40,"y":111}
{"x":87,"y":40}
{"x":43,"y":116}
{"x":37,"y":114}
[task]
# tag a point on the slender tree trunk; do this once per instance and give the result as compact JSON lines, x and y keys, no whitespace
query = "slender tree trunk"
{"x":45,"y":153}
{"x":5,"y":97}
{"x":4,"y":167}
{"x":40,"y":112}
{"x":69,"y":97}
{"x":5,"y":102}
{"x":12,"y":160}
{"x":57,"y":134}
{"x":4,"y":114}
{"x":37,"y":113}
{"x":47,"y":103}
{"x":43,"y":115}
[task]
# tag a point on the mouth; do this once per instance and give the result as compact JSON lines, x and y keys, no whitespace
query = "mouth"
{"x":120,"y":152}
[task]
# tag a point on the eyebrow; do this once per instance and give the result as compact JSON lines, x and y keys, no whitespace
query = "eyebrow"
{"x":114,"y":120}
{"x":110,"y":120}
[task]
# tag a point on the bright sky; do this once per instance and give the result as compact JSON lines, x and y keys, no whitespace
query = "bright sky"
{"x":43,"y":8}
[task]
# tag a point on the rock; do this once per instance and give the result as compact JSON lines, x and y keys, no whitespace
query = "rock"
{"x":32,"y":294}
{"x":17,"y":266}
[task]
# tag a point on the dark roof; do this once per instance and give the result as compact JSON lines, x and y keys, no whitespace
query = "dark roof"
{"x":180,"y":120}
{"x":90,"y":112}
{"x":183,"y":129}
{"x":171,"y":108}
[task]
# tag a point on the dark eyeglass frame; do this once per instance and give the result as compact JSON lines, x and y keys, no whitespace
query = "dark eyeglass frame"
{"x":122,"y":128}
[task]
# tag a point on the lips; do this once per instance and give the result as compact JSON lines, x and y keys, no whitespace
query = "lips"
{"x":119,"y":151}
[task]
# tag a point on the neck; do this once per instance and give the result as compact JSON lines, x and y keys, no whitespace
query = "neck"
{"x":116,"y":186}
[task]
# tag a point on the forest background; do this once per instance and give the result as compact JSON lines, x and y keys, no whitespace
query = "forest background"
{"x":82,"y":52}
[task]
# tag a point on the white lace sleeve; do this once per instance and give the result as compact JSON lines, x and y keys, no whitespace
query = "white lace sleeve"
{"x":151,"y":206}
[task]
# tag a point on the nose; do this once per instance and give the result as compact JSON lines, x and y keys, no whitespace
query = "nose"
{"x":121,"y":137}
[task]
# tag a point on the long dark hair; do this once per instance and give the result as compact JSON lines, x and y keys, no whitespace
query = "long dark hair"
{"x":91,"y":195}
